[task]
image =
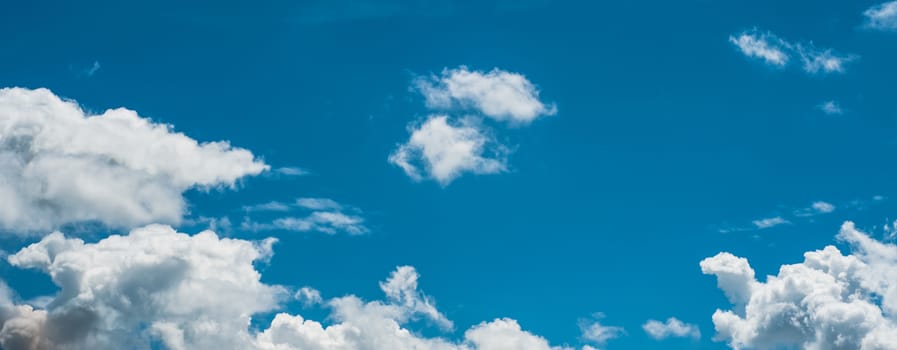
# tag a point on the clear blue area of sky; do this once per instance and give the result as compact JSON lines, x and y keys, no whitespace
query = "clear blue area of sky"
{"x":665,"y":134}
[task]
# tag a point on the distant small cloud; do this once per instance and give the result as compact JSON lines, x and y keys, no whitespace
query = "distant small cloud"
{"x":318,"y":203}
{"x":822,"y":61}
{"x":291,"y":171}
{"x":93,"y":69}
{"x":597,"y":333}
{"x":814,"y":209}
{"x":770,"y":222}
{"x":882,"y":16}
{"x":765,"y":46}
{"x":831,"y":108}
{"x":671,"y":328}
{"x":269,"y":206}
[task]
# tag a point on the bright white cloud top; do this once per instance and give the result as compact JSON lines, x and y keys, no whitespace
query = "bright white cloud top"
{"x":61,"y":165}
{"x":158,"y":285}
{"x":442,"y":150}
{"x":497,"y":94}
{"x":777,"y":52}
{"x":882,"y":16}
{"x":830,"y":301}
{"x":673,"y":327}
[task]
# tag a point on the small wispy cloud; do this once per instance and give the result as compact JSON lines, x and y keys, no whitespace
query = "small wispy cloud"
{"x":326,"y":215}
{"x":597,"y":333}
{"x":318,"y":204}
{"x":269,"y":206}
{"x":766,"y":223}
{"x":291,"y":171}
{"x":93,"y":69}
{"x":882,"y":16}
{"x":831,"y":108}
{"x":766,"y":46}
{"x":775,"y":51}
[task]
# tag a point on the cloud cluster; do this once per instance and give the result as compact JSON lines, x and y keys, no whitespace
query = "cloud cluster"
{"x":158,"y":286}
{"x":829,"y":301}
{"x":882,"y":16}
{"x":777,"y":52}
{"x":61,"y":165}
{"x":443,"y":148}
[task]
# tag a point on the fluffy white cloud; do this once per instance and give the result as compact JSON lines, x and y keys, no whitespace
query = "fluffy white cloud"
{"x":308,"y":296}
{"x":671,"y":328}
{"x":882,"y":16}
{"x":157,"y":286}
{"x":189,"y":292}
{"x":443,"y":151}
{"x":378,"y":325}
{"x":829,"y":301}
{"x":597,"y":333}
{"x":497,"y":94}
{"x":769,"y":222}
{"x":61,"y":165}
{"x":765,"y":46}
{"x":777,"y":52}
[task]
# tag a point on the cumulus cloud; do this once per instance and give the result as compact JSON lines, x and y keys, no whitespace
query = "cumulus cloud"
{"x":777,"y":52}
{"x":882,"y":16}
{"x":829,"y":301}
{"x":596,"y":332}
{"x":769,"y":222}
{"x":152,"y":284}
{"x":62,"y":165}
{"x":497,"y":94}
{"x":158,"y":286}
{"x":443,"y":151}
{"x":671,"y":328}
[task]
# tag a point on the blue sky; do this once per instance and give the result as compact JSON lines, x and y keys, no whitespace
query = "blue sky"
{"x":615,"y":146}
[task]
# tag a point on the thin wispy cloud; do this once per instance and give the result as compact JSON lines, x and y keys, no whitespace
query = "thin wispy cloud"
{"x":316,"y":215}
{"x":831,"y":108}
{"x":765,"y":46}
{"x":777,"y":52}
{"x":766,"y":223}
{"x":882,"y":16}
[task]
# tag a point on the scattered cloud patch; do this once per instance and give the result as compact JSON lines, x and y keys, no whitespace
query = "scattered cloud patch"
{"x":441,"y":150}
{"x":777,"y":52}
{"x":89,"y":72}
{"x":770,"y":222}
{"x":270,"y":206}
{"x":817,"y":208}
{"x":831,"y":108}
{"x":764,"y":46}
{"x":291,"y":171}
{"x":61,"y":165}
{"x":671,"y":328}
{"x":595,"y":332}
{"x":320,"y":221}
{"x":882,"y":16}
{"x":829,"y":301}
{"x":497,"y":94}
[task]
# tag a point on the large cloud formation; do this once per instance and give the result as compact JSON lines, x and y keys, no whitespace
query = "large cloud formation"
{"x":158,"y":286}
{"x":830,"y":301}
{"x":61,"y":165}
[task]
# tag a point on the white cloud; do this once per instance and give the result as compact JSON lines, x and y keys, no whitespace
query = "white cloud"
{"x":777,"y":52}
{"x":308,"y":296}
{"x":597,"y":333}
{"x":497,"y":94}
{"x":444,"y":151}
{"x":330,"y":222}
{"x":318,"y":204}
{"x":61,"y":165}
{"x":817,"y":208}
{"x":291,"y":171}
{"x":831,"y":108}
{"x":671,"y":328}
{"x":829,"y":301}
{"x":155,"y":285}
{"x":269,"y":206}
{"x":765,"y":46}
{"x":770,"y":222}
{"x":112,"y":290}
{"x":882,"y":16}
{"x":822,"y":61}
